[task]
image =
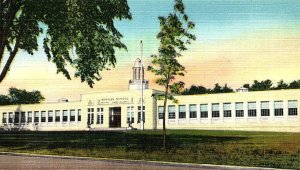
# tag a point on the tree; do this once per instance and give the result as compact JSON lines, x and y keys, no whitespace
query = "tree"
{"x":21,"y":96}
{"x":294,"y":84}
{"x":282,"y":85}
{"x":173,"y":37}
{"x":263,"y":85}
{"x":195,"y":90}
{"x":216,"y":89}
{"x":246,"y":86}
{"x":219,"y":89}
{"x":226,"y":89}
{"x":84,"y":28}
{"x":4,"y":100}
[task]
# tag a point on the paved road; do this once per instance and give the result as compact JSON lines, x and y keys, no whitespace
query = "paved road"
{"x":16,"y":162}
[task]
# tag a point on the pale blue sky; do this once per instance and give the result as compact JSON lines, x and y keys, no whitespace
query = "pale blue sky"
{"x":215,"y":20}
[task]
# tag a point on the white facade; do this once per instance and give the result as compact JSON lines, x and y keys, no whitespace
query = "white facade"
{"x":275,"y":110}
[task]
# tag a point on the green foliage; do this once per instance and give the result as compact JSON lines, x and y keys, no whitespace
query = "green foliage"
{"x":295,"y":84}
{"x":173,"y":37}
{"x":195,"y":90}
{"x":21,"y":96}
{"x":219,"y":89}
{"x":202,"y":90}
{"x":267,"y":85}
{"x":84,"y":28}
{"x":4,"y":100}
{"x":260,"y":86}
{"x":282,"y":85}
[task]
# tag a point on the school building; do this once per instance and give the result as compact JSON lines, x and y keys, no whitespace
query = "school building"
{"x":274,"y":110}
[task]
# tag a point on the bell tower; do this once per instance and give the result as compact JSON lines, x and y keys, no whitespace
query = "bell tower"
{"x":138,"y":76}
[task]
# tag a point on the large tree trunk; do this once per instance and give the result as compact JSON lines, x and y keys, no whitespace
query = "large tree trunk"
{"x":9,"y":60}
{"x":164,"y":116}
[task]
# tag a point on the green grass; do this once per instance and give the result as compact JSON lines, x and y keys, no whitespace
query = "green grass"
{"x":264,"y":149}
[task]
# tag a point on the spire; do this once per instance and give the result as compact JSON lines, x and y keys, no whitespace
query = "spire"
{"x":137,"y":76}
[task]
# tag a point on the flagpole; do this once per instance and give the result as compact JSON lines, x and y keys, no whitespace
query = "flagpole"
{"x":142,"y":89}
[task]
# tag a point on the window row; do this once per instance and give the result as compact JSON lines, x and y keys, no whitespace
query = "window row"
{"x":227,"y":109}
{"x":41,"y":116}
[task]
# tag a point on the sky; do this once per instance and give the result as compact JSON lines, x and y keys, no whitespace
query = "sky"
{"x":238,"y":41}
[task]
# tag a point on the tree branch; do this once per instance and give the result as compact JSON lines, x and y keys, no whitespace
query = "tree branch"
{"x":7,"y":22}
{"x":9,"y":60}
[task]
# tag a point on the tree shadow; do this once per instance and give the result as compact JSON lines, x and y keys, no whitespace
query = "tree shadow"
{"x":106,"y":139}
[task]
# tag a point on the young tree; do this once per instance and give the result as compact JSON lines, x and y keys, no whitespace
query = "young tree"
{"x":173,"y":37}
{"x":84,"y":28}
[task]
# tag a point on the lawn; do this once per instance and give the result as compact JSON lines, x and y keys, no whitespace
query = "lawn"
{"x":264,"y":149}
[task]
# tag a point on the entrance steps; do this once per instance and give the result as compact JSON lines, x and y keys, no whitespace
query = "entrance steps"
{"x":106,"y":129}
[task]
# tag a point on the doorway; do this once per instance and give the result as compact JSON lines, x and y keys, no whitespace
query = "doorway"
{"x":114,"y":117}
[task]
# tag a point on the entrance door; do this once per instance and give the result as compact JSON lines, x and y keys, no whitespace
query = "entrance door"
{"x":115,"y":117}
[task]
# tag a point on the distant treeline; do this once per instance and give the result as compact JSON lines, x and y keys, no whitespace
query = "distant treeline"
{"x":255,"y":86}
{"x":21,"y":96}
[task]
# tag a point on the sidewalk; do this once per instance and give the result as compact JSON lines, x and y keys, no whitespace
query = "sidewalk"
{"x":10,"y":160}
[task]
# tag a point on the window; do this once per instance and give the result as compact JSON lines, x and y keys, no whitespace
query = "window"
{"x":17,"y":118}
{"x":139,"y":114}
{"x":160,"y":112}
{"x":215,"y":110}
{"x":203,"y":111}
{"x":79,"y":115}
{"x":65,"y":115}
{"x":50,"y":116}
{"x":101,"y":122}
{"x":182,"y":111}
{"x":57,"y":116}
{"x":4,"y":117}
{"x":251,"y":109}
{"x":239,"y":111}
{"x":11,"y":116}
{"x":264,"y":107}
{"x":100,"y":115}
{"x":36,"y":117}
{"x":23,"y":117}
{"x":193,"y":111}
{"x":292,"y":107}
{"x":130,"y":114}
{"x":72,"y":115}
{"x":171,"y":110}
{"x":29,"y":118}
{"x":90,"y":116}
{"x":227,"y":109}
{"x":278,"y":108}
{"x":43,"y":118}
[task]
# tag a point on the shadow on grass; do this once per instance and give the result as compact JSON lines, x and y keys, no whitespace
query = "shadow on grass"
{"x":105,"y":139}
